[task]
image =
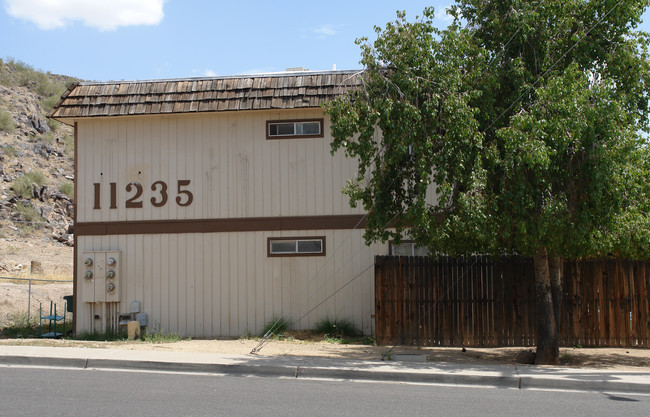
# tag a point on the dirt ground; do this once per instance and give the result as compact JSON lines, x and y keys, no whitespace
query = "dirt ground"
{"x":16,"y":256}
{"x":13,"y":304}
{"x":596,"y":358}
{"x":14,"y":295}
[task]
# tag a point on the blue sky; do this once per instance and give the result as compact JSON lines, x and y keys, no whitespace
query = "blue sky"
{"x":146,"y":39}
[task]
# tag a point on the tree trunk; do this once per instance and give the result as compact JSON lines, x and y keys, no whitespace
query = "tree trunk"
{"x":548,"y":351}
{"x":555,"y":267}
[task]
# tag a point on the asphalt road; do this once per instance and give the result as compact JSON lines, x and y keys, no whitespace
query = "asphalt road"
{"x":73,"y":392}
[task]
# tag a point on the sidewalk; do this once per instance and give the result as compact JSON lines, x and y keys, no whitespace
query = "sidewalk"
{"x":503,"y":376}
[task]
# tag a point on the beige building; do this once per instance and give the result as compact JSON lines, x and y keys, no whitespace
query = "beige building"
{"x":214,"y":205}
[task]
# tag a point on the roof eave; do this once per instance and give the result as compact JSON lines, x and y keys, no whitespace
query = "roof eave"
{"x":52,"y":113}
{"x":279,"y":91}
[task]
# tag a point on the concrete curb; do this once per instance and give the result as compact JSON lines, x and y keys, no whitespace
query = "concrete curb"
{"x":43,"y":361}
{"x":412,"y":377}
{"x":287,"y":371}
{"x":94,"y":363}
{"x":528,"y":382}
{"x":602,"y":382}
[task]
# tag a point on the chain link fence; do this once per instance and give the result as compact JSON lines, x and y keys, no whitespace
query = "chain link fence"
{"x":24,"y":300}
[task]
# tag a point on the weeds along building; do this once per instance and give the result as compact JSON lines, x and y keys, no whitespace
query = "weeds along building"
{"x":213,"y":205}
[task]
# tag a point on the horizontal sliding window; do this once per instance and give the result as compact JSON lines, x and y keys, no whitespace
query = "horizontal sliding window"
{"x":296,"y":246}
{"x":288,"y":129}
{"x":408,"y":248}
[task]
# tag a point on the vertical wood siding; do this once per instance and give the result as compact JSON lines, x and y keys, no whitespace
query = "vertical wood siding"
{"x":478,"y":301}
{"x":234,"y":171}
{"x":223,"y":284}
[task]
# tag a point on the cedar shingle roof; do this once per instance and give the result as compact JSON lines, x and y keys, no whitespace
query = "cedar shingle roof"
{"x":246,"y":92}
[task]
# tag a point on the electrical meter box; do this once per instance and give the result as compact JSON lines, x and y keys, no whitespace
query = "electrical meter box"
{"x":100,"y":278}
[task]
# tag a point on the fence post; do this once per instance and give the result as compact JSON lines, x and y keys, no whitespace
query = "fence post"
{"x":29,"y":302}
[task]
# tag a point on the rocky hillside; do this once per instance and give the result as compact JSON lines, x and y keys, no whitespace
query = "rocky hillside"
{"x":36,"y":161}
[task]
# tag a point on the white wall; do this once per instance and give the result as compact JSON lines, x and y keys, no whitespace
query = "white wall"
{"x":234,"y":170}
{"x":223,"y":284}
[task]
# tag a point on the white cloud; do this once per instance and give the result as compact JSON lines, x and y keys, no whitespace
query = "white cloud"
{"x":325,"y":30}
{"x":441,"y":14}
{"x":204,"y":73}
{"x":100,"y":14}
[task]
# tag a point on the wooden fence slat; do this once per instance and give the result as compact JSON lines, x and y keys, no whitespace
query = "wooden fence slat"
{"x":627,"y":292}
{"x":479,"y":302}
{"x":509,"y":320}
{"x":501,"y":311}
{"x":635,"y":329}
{"x":428,"y":302}
{"x":464,"y":275}
{"x":619,"y":291}
{"x":476,"y":301}
{"x":643,"y":315}
{"x":605,"y":306}
{"x":641,"y":319}
{"x":599,"y":302}
{"x":449,"y":306}
{"x":585,"y":297}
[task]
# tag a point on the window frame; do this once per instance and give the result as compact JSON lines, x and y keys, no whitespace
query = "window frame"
{"x":392,"y":244}
{"x":320,"y":121}
{"x":297,"y":239}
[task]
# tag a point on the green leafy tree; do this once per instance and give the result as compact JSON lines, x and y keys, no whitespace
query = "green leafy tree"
{"x":411,"y":125}
{"x":527,"y":119}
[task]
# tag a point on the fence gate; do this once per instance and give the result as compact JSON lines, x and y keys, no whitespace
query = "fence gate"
{"x":478,"y":301}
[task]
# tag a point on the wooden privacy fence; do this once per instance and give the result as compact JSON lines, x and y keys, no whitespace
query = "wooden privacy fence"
{"x":478,"y":301}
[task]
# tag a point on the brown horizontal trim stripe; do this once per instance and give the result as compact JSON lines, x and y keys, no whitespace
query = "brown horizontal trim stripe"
{"x":246,"y":224}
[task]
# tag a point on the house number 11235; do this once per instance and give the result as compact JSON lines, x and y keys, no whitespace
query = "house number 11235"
{"x":134,"y":192}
